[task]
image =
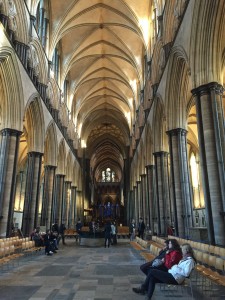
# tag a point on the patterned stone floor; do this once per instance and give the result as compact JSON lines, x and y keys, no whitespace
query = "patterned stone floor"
{"x":82,"y":273}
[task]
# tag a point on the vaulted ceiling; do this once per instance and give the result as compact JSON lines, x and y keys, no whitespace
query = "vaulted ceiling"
{"x":102,"y":44}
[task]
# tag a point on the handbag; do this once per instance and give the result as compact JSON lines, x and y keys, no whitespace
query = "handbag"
{"x":157,"y":262}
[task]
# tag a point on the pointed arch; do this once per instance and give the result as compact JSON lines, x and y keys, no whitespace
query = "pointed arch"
{"x":208,"y":18}
{"x":61,"y":169}
{"x":159,"y":121}
{"x":51,"y":146}
{"x":148,"y":145}
{"x":35,"y":125}
{"x":69,"y":167}
{"x":39,"y":60}
{"x":177,"y":88}
{"x":11,"y":91}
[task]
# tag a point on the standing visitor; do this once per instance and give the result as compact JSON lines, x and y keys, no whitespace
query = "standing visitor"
{"x":107,"y":234}
{"x":132,"y":230}
{"x":62,"y":229}
{"x":141,"y":228}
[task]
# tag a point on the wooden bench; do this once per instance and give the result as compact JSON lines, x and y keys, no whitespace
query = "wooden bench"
{"x":70,"y":233}
{"x":123,"y":231}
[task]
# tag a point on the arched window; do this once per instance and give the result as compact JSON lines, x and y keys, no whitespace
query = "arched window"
{"x":198,"y":197}
{"x":108,"y":175}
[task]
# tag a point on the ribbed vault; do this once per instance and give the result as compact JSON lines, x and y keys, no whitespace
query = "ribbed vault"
{"x":101,"y":45}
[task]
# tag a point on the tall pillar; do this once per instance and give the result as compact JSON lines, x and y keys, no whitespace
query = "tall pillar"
{"x":144,"y":199}
{"x":80,"y":213}
{"x":162,"y":188}
{"x":9,"y":146}
{"x":46,"y":214}
{"x":130,"y":206}
{"x":73,"y":206}
{"x":135,"y":215}
{"x":151,"y":195}
{"x":66,"y":202}
{"x":211,"y":136}
{"x":181,"y":187}
{"x":31,"y":199}
{"x":57,"y":198}
{"x":138,"y":199}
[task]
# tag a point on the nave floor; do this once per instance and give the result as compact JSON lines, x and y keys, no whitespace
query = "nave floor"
{"x":82,"y":273}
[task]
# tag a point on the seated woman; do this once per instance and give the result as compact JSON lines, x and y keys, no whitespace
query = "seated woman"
{"x":173,"y":256}
{"x":145,"y":267}
{"x":175,"y":275}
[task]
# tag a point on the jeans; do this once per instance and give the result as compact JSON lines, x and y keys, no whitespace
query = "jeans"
{"x":156,"y":276}
{"x":145,"y":267}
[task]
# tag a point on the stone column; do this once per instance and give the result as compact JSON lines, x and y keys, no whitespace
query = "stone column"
{"x":57,"y":198}
{"x":46,"y":214}
{"x":130,"y":206}
{"x":32,"y":190}
{"x":151,"y":195}
{"x":138,"y":199}
{"x":181,"y":188}
{"x":162,"y":189}
{"x":73,"y":205}
{"x":135,"y":215}
{"x":144,"y":198}
{"x":9,"y":146}
{"x":66,"y":202}
{"x":211,"y":136}
{"x":79,"y":205}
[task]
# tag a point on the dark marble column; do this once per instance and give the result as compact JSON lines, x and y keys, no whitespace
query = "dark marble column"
{"x":144,"y":198}
{"x":138,"y":200}
{"x":211,"y":136}
{"x":66,"y":202}
{"x":135,"y":215}
{"x":151,"y":193}
{"x":31,"y":199}
{"x":46,"y":213}
{"x":162,"y":189}
{"x":72,"y":216}
{"x":57,"y":198}
{"x":130,"y":206}
{"x":9,"y":146}
{"x":181,"y":187}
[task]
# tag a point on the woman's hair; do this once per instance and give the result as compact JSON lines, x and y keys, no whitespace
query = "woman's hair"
{"x":167,"y":242}
{"x":175,"y":245}
{"x":190,"y":251}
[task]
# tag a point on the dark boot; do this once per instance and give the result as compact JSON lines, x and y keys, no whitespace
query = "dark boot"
{"x":139,"y":290}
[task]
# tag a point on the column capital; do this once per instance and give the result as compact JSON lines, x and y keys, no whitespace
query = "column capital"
{"x":150,"y":167}
{"x":138,"y":182}
{"x":177,"y":131}
{"x":50,"y":167}
{"x":68,"y":182}
{"x":143,"y":175}
{"x":160,"y":153}
{"x":60,"y":175}
{"x":11,"y":132}
{"x":207,"y":88}
{"x":34,"y":154}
